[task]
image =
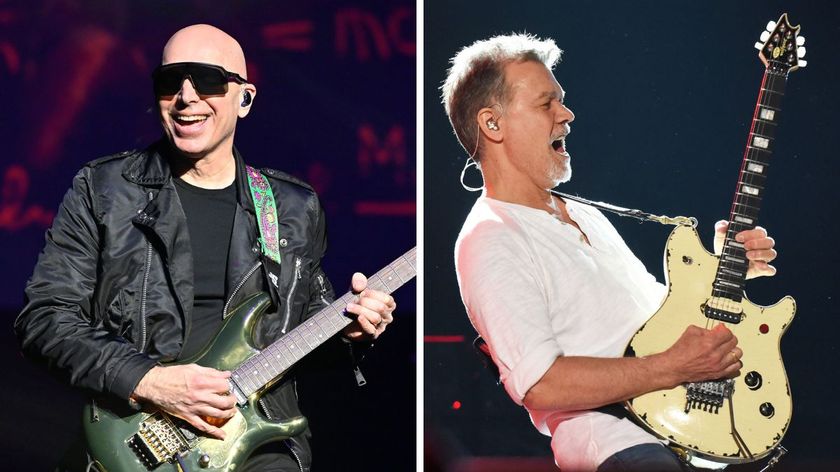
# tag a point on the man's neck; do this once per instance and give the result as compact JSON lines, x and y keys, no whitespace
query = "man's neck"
{"x":213,"y":171}
{"x":506,"y":184}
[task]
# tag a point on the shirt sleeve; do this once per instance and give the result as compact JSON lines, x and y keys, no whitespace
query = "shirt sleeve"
{"x":507,"y":304}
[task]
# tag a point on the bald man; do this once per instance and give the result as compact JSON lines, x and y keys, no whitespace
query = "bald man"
{"x":150,"y":248}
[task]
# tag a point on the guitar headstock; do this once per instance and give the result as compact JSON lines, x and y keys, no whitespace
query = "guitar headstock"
{"x":781,"y":47}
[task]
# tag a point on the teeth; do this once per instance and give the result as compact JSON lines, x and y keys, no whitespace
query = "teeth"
{"x":191,"y":118}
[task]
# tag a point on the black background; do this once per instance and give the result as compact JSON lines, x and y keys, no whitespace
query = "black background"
{"x":75,"y":85}
{"x":663,"y":94}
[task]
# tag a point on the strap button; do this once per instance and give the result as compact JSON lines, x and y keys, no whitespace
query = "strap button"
{"x":283,"y":242}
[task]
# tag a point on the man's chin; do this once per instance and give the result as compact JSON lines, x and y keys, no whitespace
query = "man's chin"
{"x":565,"y":176}
{"x":188,"y":147}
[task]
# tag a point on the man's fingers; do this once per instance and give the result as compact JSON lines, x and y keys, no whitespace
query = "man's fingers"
{"x":762,"y":255}
{"x":734,"y":370}
{"x":215,"y":385}
{"x":722,"y":335}
{"x":222,"y":402}
{"x":373,"y":305}
{"x":205,"y":427}
{"x":381,"y":297}
{"x":760,"y":243}
{"x":757,"y":233}
{"x":207,"y":410}
{"x":210,"y":372}
{"x":358,"y":282}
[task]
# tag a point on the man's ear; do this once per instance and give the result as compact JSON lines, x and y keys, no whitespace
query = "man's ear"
{"x":488,"y":123}
{"x":249,"y":92}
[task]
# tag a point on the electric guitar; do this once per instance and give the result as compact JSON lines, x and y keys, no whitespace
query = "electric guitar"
{"x":742,"y":419}
{"x":121,"y":439}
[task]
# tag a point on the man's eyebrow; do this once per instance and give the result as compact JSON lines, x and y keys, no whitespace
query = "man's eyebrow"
{"x":552,"y":94}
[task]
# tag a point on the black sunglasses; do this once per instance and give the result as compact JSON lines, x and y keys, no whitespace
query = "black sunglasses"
{"x":207,"y":79}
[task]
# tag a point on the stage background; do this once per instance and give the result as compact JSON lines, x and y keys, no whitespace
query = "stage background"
{"x":335,"y":107}
{"x":663,"y":94}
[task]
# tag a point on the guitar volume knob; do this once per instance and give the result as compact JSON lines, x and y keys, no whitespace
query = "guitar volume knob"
{"x":753,"y":380}
{"x":767,"y":409}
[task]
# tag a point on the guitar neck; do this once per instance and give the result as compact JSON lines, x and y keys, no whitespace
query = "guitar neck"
{"x":261,"y":370}
{"x":732,"y":270}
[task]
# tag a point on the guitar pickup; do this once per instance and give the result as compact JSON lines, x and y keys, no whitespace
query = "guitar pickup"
{"x":723,"y":309}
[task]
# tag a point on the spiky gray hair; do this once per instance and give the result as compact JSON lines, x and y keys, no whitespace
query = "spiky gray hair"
{"x":477,"y":78}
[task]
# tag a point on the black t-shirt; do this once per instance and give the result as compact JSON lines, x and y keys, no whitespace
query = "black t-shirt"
{"x":210,"y":222}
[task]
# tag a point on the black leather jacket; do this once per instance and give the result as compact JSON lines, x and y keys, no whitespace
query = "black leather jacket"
{"x":108,"y":298}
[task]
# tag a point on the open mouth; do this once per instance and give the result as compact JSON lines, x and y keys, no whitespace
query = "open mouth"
{"x":188,"y":120}
{"x":559,"y":144}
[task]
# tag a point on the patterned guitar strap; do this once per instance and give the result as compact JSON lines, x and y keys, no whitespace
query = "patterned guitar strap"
{"x":266,"y":210}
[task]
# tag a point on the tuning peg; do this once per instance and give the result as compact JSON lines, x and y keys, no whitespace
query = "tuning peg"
{"x":802,"y":63}
{"x":800,"y":51}
{"x":771,"y":25}
{"x":800,"y":40}
{"x":764,"y":36}
{"x":758,"y":46}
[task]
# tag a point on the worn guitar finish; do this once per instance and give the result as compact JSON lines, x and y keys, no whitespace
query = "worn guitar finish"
{"x":760,"y":399}
{"x":121,"y":439}
{"x":742,"y":419}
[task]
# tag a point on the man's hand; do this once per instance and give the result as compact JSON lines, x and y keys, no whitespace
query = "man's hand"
{"x":703,"y":354}
{"x":191,"y":392}
{"x":374,"y":310}
{"x":758,"y":245}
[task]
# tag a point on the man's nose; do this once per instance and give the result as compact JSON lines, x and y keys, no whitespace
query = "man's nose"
{"x":188,"y":93}
{"x":565,"y":114}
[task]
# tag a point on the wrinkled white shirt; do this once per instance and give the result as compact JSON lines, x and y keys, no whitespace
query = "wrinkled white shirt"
{"x":535,"y":290}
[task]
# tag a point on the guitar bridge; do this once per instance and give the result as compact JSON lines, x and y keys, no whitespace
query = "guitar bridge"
{"x":157,"y":440}
{"x":708,"y":396}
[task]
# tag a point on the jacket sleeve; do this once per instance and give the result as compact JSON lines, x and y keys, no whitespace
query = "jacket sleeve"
{"x":338,"y":352}
{"x":321,"y":292}
{"x":57,"y":325}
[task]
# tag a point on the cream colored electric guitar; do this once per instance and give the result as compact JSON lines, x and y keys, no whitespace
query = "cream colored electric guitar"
{"x":741,"y":419}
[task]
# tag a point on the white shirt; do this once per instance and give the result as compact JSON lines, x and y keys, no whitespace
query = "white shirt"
{"x":535,"y":290}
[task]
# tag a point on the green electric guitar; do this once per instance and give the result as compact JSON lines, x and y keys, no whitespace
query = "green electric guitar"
{"x":121,"y":439}
{"x":742,"y":419}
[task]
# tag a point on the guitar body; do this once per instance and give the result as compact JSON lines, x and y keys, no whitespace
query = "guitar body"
{"x":122,"y":439}
{"x":111,"y":438}
{"x":708,"y":431}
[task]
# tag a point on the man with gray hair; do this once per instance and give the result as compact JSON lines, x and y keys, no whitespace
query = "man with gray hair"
{"x":549,"y":283}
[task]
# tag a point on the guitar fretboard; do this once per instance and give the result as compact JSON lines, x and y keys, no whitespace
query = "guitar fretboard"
{"x":732,"y":270}
{"x":260,"y":370}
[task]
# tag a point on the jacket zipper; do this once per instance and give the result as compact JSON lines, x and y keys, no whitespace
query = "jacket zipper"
{"x":145,"y":289}
{"x":291,"y":295}
{"x":323,"y":289}
{"x":239,"y":286}
{"x":292,"y":450}
{"x":264,"y":408}
{"x":287,"y":442}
